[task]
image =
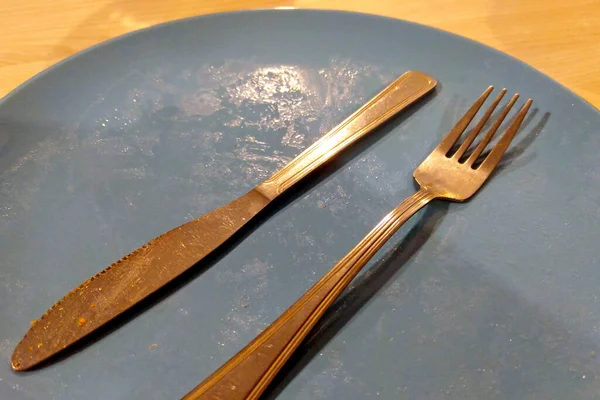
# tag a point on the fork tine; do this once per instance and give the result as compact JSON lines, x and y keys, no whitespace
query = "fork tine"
{"x":460,"y":127}
{"x":465,"y":145}
{"x":497,"y":152}
{"x":488,"y":137}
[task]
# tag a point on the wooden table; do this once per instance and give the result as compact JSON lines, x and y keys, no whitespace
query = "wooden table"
{"x":560,"y":38}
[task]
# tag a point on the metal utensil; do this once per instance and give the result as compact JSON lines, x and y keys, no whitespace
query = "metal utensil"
{"x":445,"y":174}
{"x":147,"y":269}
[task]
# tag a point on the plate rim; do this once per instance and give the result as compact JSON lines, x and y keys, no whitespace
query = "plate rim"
{"x":224,"y":14}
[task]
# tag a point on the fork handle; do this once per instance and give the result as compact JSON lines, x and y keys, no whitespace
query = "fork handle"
{"x":247,"y":374}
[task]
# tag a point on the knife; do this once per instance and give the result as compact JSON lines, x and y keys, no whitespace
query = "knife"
{"x":148,"y":268}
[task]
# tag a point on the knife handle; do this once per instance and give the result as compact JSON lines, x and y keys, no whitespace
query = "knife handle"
{"x":402,"y":92}
{"x":247,"y":374}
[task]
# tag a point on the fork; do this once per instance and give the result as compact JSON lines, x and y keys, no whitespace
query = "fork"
{"x":446,"y":174}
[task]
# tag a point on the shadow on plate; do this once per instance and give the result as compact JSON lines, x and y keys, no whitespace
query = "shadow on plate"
{"x":357,"y":295}
{"x":371,"y":282}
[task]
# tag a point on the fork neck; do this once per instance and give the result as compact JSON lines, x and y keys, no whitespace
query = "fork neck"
{"x":424,"y":196}
{"x":404,"y":211}
{"x":420,"y":199}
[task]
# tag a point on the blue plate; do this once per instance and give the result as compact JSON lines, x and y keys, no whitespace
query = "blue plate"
{"x":497,"y":298}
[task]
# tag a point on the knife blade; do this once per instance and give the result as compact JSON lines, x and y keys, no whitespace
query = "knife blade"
{"x":136,"y":276}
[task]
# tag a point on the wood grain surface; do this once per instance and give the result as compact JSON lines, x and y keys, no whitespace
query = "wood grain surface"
{"x":560,"y":38}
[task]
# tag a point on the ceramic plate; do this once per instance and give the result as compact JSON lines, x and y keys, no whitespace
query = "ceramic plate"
{"x":497,"y":298}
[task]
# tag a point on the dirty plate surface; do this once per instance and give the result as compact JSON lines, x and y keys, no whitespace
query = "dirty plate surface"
{"x":495,"y":298}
